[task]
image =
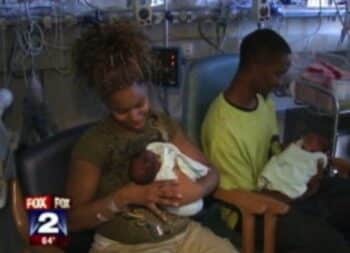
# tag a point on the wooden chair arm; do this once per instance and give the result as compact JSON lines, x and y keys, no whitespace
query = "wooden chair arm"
{"x":251,"y":202}
{"x":274,"y":206}
{"x":340,"y":162}
{"x":342,"y":165}
{"x":244,"y":200}
{"x":18,"y":210}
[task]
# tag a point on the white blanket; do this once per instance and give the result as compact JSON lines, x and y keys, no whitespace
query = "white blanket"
{"x":290,"y":171}
{"x":171,"y":157}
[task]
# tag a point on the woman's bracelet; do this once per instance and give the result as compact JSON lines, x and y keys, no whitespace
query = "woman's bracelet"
{"x":100,"y":217}
{"x":112,"y":206}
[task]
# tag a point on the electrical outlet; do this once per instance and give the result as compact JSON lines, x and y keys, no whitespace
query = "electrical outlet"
{"x":143,"y":12}
{"x":187,"y":49}
{"x":262,"y":10}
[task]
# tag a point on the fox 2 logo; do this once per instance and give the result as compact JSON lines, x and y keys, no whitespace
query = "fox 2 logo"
{"x":47,"y":223}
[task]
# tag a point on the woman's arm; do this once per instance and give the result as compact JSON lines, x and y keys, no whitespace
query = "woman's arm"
{"x":204,"y":185}
{"x":82,"y":185}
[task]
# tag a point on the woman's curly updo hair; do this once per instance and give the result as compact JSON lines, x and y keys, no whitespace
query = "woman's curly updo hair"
{"x":113,"y":56}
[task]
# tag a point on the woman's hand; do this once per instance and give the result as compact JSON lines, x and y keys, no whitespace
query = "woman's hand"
{"x":190,"y":190}
{"x":158,"y":193}
{"x":164,"y":192}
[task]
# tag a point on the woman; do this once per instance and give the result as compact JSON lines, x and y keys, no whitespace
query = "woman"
{"x":127,"y":217}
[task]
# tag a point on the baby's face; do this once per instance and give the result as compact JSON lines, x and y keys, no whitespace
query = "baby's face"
{"x":144,"y":167}
{"x":315,"y":143}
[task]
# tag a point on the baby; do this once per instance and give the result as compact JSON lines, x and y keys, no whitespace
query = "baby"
{"x":144,"y":167}
{"x":159,"y":161}
{"x":292,"y":170}
{"x":314,"y":143}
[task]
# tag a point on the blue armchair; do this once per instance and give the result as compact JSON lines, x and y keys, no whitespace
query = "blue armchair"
{"x":42,"y":169}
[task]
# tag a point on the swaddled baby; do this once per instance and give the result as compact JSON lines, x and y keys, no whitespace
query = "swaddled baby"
{"x":159,"y":161}
{"x":290,"y":171}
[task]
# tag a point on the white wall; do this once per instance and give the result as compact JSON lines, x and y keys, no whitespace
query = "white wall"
{"x":70,"y":104}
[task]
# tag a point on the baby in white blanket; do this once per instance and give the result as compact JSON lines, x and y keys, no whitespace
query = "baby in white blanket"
{"x":290,"y":171}
{"x":159,"y":161}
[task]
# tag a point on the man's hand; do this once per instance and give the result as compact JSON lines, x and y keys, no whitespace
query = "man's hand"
{"x":314,"y":184}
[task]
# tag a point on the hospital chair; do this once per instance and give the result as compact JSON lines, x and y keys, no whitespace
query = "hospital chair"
{"x":204,"y":80}
{"x":42,"y":170}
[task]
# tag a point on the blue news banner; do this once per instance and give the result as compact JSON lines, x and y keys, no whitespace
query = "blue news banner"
{"x":48,"y":220}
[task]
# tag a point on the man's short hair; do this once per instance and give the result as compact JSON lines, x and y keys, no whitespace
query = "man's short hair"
{"x":261,"y":45}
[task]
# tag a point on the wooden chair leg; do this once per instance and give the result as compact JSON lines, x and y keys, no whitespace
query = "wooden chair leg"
{"x":248,"y":230}
{"x":270,"y":222}
{"x":18,"y":210}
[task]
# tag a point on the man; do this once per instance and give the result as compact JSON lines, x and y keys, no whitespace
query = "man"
{"x":237,"y":136}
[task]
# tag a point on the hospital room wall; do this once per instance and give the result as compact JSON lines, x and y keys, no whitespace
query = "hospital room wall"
{"x":70,"y":103}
